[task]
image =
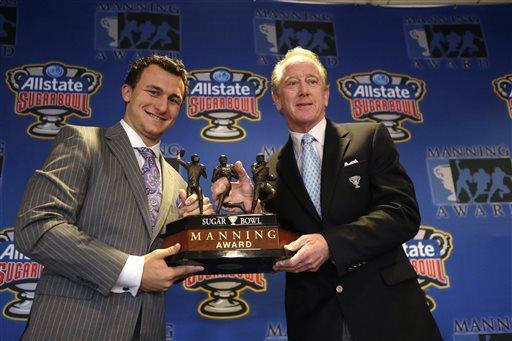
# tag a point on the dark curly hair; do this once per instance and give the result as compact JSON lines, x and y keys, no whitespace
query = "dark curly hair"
{"x":173,"y":66}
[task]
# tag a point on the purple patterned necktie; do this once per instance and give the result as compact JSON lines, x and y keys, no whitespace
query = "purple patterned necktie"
{"x":152,"y":181}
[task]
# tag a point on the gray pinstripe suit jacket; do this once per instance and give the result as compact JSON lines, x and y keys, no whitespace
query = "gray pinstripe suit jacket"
{"x":81,"y":216}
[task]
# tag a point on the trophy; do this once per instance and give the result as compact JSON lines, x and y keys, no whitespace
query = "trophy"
{"x":231,"y":244}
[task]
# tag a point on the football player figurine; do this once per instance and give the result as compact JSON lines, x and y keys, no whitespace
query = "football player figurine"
{"x":194,"y":172}
{"x":224,"y":170}
{"x":262,"y":189}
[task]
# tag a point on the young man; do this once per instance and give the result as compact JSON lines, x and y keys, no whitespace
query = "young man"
{"x":93,"y":213}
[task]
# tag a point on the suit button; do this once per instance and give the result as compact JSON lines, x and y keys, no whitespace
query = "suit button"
{"x":339,"y":289}
{"x":126,"y":289}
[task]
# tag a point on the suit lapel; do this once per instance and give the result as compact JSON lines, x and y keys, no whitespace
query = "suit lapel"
{"x":167,"y":188}
{"x":289,"y":173}
{"x":119,"y":144}
{"x":335,"y":145}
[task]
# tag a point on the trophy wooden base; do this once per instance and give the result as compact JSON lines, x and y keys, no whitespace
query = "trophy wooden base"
{"x":247,"y":243}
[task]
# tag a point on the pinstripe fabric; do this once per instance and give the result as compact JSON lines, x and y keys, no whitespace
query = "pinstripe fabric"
{"x":81,"y":216}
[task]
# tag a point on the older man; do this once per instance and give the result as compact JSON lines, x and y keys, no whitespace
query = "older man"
{"x":343,"y":190}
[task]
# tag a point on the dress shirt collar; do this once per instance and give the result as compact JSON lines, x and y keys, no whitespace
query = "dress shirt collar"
{"x":318,"y":132}
{"x":136,"y":140}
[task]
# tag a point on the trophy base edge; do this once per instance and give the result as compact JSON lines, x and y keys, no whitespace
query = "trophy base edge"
{"x":223,"y":262}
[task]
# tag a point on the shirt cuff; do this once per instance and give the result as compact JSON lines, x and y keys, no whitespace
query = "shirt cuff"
{"x":130,"y":277}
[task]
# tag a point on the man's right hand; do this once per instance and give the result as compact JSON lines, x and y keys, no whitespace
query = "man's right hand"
{"x":157,"y":276}
{"x":190,"y":206}
{"x":242,"y":190}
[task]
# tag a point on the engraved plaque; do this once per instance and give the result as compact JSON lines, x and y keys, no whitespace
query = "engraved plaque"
{"x":246,"y":243}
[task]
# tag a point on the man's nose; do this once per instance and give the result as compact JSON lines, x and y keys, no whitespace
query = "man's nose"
{"x":303,"y":88}
{"x":161,"y":103}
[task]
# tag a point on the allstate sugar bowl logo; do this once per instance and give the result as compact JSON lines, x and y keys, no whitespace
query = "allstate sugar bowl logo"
{"x":52,"y":92}
{"x":18,"y":274}
{"x":223,"y":97}
{"x":503,"y":88}
{"x":384,"y":97}
{"x":428,"y":252}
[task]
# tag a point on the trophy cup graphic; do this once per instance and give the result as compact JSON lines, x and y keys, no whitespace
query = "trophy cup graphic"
{"x":224,"y":299}
{"x":224,"y":293}
{"x":24,"y":299}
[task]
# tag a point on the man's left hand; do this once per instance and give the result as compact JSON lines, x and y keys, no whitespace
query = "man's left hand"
{"x":241,"y":190}
{"x":312,"y":252}
{"x":190,"y":206}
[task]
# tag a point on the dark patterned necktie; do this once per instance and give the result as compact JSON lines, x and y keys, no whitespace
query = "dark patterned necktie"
{"x":152,"y":182}
{"x":311,"y":167}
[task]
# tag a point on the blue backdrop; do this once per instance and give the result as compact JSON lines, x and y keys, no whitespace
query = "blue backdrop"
{"x":439,"y":78}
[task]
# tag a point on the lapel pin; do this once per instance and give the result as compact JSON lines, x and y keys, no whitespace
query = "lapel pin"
{"x":355,"y":180}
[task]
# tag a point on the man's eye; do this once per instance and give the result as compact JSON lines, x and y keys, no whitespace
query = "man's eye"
{"x":152,"y":92}
{"x":292,"y":83}
{"x":313,"y":81}
{"x":175,"y":100}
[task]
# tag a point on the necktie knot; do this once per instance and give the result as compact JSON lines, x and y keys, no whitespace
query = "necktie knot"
{"x":149,"y":159}
{"x":307,"y":139}
{"x":146,"y":152}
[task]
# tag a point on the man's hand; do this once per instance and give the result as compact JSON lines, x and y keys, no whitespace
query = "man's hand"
{"x":157,"y":276}
{"x":312,"y":252}
{"x":242,"y":190}
{"x":190,"y":206}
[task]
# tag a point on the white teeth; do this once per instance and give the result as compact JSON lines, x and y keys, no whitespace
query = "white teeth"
{"x":155,"y":116}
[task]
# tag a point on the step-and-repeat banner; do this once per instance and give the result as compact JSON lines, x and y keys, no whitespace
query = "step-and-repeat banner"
{"x":439,"y":78}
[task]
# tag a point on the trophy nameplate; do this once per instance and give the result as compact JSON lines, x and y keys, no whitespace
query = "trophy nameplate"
{"x":245,"y":243}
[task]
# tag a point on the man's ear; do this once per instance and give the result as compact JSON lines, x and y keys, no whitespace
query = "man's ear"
{"x":126,"y":93}
{"x":326,"y":96}
{"x":277,"y":101}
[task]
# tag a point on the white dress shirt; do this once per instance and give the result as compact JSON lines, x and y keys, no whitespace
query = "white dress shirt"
{"x":131,"y":275}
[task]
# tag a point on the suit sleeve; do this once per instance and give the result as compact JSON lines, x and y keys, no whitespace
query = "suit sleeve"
{"x":392,"y":217}
{"x":45,"y":226}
